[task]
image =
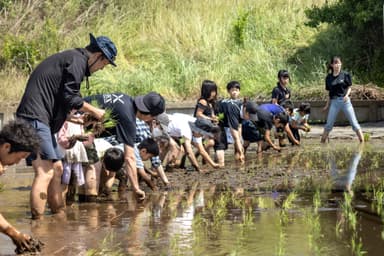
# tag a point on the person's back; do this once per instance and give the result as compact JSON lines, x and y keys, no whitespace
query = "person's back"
{"x":271,"y":108}
{"x":46,"y":98}
{"x":179,"y":125}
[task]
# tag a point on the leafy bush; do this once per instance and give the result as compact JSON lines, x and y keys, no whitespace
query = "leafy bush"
{"x":20,"y":53}
{"x":357,"y":26}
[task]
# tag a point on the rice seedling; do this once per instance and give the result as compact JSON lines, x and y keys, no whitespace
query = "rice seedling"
{"x":109,"y":247}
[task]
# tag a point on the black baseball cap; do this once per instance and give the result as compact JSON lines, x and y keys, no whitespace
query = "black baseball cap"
{"x":152,"y":103}
{"x":283,"y":73}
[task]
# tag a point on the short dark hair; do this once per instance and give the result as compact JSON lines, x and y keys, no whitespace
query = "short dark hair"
{"x":287,"y":104}
{"x":150,"y":145}
{"x":92,"y":48}
{"x":283,"y":116}
{"x":305,"y":107}
{"x":21,"y":135}
{"x":233,"y":84}
{"x":113,"y":159}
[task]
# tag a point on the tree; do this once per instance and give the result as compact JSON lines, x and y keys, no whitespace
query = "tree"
{"x":359,"y":24}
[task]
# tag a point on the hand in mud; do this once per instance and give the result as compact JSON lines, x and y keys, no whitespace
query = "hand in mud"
{"x":140,"y":194}
{"x":23,"y":242}
{"x":167,"y":187}
{"x":35,"y":246}
{"x":19,"y":239}
{"x":202,"y":171}
{"x":277,"y":148}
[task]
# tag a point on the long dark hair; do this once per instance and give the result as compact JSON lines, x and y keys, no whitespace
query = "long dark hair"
{"x":207,"y":88}
{"x":329,"y":67}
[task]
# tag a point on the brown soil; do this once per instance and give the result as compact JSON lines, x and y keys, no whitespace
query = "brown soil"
{"x":367,"y":92}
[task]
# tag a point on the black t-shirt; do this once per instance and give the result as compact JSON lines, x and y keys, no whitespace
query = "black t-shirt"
{"x":280,"y":93}
{"x":208,"y":110}
{"x":53,"y":89}
{"x":231,"y":110}
{"x":123,"y":111}
{"x":338,"y":85}
{"x":265,"y":119}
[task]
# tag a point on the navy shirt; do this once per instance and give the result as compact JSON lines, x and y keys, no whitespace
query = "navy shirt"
{"x":53,"y":89}
{"x":123,"y":111}
{"x":281,"y":93}
{"x":338,"y":85}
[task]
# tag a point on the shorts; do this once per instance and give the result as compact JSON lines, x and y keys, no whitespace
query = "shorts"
{"x":250,"y":132}
{"x":221,"y":142}
{"x":49,"y":149}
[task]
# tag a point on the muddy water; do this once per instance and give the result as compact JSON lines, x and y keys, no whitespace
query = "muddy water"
{"x":310,"y":200}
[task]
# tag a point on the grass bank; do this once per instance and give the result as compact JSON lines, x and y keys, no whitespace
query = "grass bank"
{"x":169,"y":45}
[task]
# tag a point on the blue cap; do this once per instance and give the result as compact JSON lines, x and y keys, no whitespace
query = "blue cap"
{"x":106,"y":46}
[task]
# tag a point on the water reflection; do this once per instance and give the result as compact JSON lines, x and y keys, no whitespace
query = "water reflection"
{"x":343,"y":171}
{"x":220,"y":219}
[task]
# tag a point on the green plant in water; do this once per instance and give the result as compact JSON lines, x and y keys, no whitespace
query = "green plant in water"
{"x":248,"y":217}
{"x":314,"y":236}
{"x":108,"y":247}
{"x":316,"y":201}
{"x":175,"y":248}
{"x":1,"y":187}
{"x":367,"y":136}
{"x":288,"y":203}
{"x":357,"y":245}
{"x":348,"y":212}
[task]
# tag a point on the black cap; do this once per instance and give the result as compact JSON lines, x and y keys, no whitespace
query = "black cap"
{"x":283,"y":73}
{"x":152,"y":103}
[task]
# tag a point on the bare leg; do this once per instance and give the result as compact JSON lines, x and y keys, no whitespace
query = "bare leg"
{"x":39,"y":192}
{"x":107,"y":179}
{"x":92,"y":179}
{"x":220,"y":158}
{"x":55,"y":198}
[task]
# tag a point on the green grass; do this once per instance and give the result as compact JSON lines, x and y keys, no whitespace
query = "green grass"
{"x":171,"y":46}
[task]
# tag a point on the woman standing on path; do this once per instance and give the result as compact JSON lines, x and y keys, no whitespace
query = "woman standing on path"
{"x":338,"y":83}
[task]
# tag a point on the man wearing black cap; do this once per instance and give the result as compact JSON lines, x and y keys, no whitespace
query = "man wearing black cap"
{"x":281,"y":92}
{"x":124,"y":110}
{"x":52,"y":91}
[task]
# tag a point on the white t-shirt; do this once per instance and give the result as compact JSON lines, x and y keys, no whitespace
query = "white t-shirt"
{"x":179,"y":125}
{"x":299,"y":119}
